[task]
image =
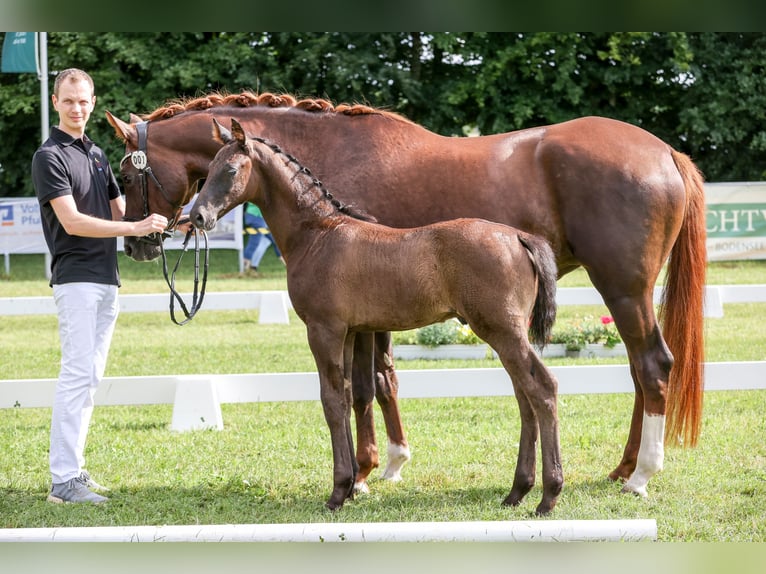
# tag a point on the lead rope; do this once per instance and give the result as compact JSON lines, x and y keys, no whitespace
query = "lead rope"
{"x":170,"y":279}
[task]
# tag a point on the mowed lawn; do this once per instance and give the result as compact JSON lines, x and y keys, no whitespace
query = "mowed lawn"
{"x":272,"y":462}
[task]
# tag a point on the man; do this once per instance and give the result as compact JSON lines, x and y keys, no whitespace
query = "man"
{"x":82,"y":212}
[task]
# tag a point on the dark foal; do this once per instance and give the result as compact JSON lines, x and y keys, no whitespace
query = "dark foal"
{"x":347,"y":275}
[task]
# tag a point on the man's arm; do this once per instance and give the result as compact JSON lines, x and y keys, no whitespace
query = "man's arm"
{"x":76,"y":223}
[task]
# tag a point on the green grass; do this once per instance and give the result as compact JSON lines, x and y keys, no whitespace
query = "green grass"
{"x":272,"y":464}
{"x":272,"y":461}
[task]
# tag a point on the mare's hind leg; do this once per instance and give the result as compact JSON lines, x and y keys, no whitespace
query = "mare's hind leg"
{"x":363,"y":391}
{"x":650,"y":364}
{"x":374,"y":375}
{"x":387,"y":394}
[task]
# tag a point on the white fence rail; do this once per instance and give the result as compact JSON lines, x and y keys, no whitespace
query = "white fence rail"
{"x":197,"y":399}
{"x":273,"y":305}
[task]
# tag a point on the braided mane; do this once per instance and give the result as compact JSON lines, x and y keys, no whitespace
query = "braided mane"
{"x":248,"y":99}
{"x":301,"y":169}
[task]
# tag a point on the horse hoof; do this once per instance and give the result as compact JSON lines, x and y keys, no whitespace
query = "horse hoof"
{"x":512,"y":500}
{"x":620,"y":474}
{"x":543,"y":509}
{"x":637,"y":490}
{"x":333,"y":506}
{"x":641,"y":492}
{"x":361,"y":487}
{"x":398,"y":456}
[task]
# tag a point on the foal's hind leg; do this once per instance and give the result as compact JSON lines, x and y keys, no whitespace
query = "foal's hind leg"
{"x":526,"y":463}
{"x":540,"y":387}
{"x":536,"y":392}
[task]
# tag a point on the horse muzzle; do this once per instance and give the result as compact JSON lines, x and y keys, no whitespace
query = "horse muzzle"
{"x":203,"y":217}
{"x":142,"y":248}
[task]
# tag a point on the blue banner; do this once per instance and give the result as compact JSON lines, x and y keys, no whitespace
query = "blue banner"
{"x":19,"y":52}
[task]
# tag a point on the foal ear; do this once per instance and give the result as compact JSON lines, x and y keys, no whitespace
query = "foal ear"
{"x":220,"y":133}
{"x":238,"y":132}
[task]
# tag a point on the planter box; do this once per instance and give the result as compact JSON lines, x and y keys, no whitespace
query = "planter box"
{"x":409,"y":352}
{"x":589,"y":351}
{"x":405,"y":352}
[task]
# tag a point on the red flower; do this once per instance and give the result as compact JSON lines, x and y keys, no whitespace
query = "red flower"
{"x":606,"y":319}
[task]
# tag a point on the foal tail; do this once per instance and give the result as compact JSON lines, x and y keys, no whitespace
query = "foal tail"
{"x":681,"y":312}
{"x":544,"y":310}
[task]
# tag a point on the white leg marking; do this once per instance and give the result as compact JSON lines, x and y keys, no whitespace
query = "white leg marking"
{"x":651,"y":454}
{"x":361,"y":487}
{"x":398,"y":456}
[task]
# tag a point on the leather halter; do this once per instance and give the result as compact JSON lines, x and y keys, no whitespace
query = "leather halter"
{"x":139,"y":160}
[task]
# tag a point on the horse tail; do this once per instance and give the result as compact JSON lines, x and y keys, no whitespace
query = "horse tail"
{"x":544,"y":309}
{"x":681,"y":312}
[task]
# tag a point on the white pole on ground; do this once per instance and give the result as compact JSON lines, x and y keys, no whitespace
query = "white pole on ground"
{"x":488,"y":531}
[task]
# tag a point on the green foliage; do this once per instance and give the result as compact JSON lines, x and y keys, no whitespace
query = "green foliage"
{"x":577,"y":332}
{"x":450,"y":332}
{"x":703,"y":93}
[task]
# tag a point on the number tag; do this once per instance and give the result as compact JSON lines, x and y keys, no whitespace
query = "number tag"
{"x":138,"y":159}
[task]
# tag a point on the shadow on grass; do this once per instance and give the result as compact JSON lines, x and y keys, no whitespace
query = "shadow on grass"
{"x":234,"y":501}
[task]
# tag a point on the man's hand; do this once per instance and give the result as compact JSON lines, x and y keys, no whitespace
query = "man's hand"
{"x":155,"y":223}
{"x":185,"y":226}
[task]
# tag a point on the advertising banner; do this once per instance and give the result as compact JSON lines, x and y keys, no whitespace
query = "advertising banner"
{"x":19,"y":52}
{"x":21,"y":231}
{"x":736,"y":220}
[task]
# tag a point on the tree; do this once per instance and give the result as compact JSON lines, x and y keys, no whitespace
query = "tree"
{"x":703,"y":93}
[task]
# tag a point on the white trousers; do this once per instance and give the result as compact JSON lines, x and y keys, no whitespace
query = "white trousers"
{"x":87,"y":314}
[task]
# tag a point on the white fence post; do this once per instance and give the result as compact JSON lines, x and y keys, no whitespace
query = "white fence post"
{"x":196,"y":405}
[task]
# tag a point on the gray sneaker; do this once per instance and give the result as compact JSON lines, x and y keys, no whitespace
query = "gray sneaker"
{"x":74,"y":490}
{"x":88,"y":481}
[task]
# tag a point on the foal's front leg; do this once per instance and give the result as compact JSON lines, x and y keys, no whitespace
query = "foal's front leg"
{"x":333,"y":355}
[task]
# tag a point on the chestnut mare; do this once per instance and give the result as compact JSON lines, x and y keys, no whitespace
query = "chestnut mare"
{"x":347,"y":275}
{"x":606,"y":195}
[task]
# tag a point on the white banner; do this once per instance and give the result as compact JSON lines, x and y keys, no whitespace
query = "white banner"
{"x":736,"y":224}
{"x":21,"y":230}
{"x":736,"y":220}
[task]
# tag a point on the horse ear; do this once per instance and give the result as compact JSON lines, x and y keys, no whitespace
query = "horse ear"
{"x":238,"y":132}
{"x":220,"y":133}
{"x":126,"y":132}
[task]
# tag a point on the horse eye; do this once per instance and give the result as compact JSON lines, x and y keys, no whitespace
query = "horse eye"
{"x":127,"y":179}
{"x":232,"y":171}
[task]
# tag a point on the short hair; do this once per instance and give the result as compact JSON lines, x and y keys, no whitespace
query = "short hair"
{"x":72,"y":75}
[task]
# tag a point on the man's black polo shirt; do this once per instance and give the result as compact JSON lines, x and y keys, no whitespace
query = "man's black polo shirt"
{"x":77,"y":167}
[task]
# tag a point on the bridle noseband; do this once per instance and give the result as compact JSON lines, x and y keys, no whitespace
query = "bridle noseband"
{"x":140,"y":161}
